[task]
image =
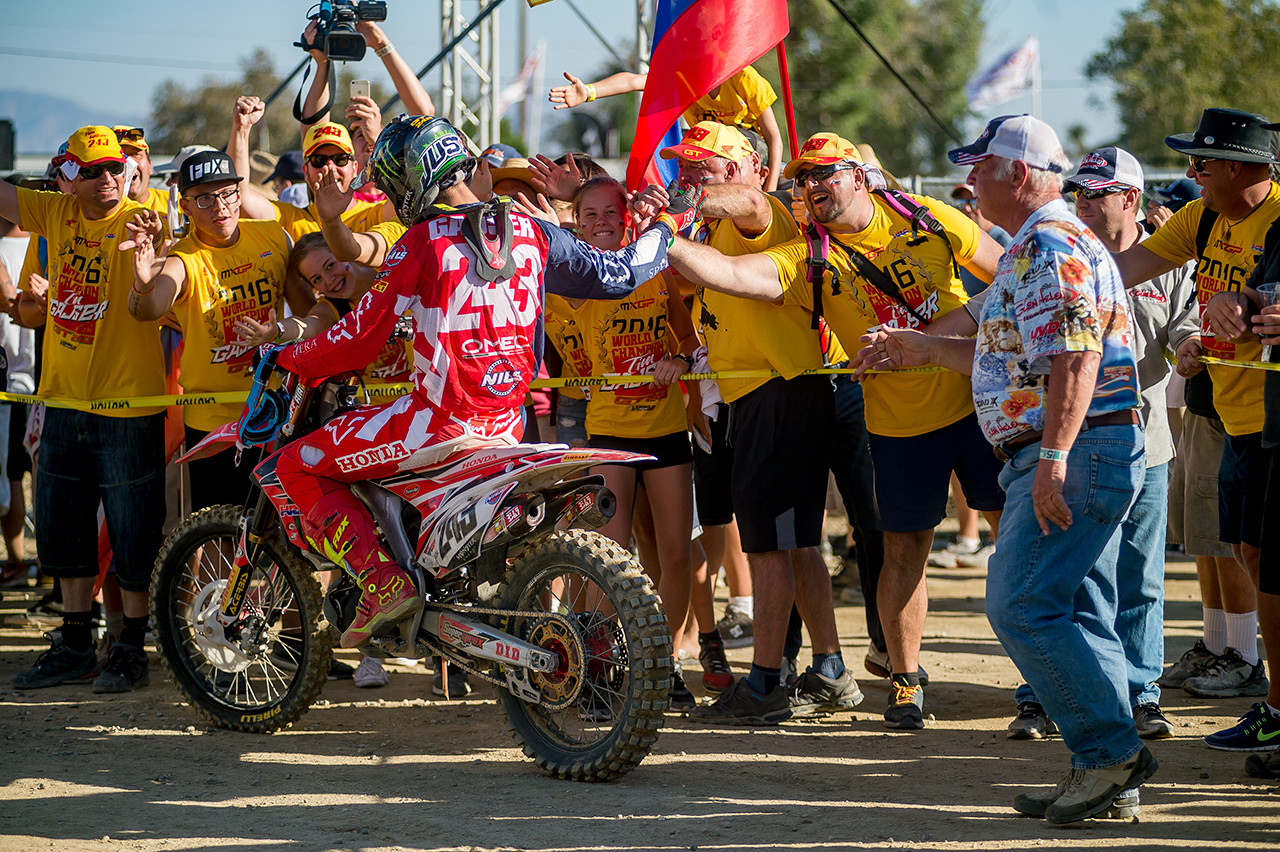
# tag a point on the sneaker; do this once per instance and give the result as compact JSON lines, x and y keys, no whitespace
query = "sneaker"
{"x":387,"y":596}
{"x":459,"y":685}
{"x":906,"y":707}
{"x":1090,"y":792}
{"x":1031,"y":723}
{"x":1230,"y":676}
{"x":716,"y":674}
{"x":13,"y":575}
{"x":741,"y":706}
{"x":877,"y":662}
{"x":814,"y":693}
{"x":58,"y":665}
{"x":977,"y":559}
{"x":790,"y":672}
{"x":1152,"y":723}
{"x":339,"y":670}
{"x":681,"y":698}
{"x":370,"y":674}
{"x":1263,"y":765}
{"x":963,"y":546}
{"x":1192,"y":664}
{"x":1123,"y":806}
{"x":735,"y":628}
{"x":49,"y":606}
{"x":1257,"y":730}
{"x":127,"y":668}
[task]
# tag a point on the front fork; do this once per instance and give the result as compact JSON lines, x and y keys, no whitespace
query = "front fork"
{"x":254,"y":526}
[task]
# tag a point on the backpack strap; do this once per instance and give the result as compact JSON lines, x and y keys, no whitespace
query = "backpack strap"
{"x":819,"y":242}
{"x":920,"y":217}
{"x":876,"y":277}
{"x":1207,"y":219}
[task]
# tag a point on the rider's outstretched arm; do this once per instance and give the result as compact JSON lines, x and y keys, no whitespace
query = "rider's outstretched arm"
{"x":581,"y":271}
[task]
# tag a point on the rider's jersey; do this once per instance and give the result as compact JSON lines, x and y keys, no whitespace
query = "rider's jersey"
{"x":476,"y":345}
{"x":394,"y":360}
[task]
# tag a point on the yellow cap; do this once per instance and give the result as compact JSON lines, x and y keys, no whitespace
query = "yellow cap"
{"x":131,"y":138}
{"x":326,"y":134}
{"x":822,"y":149}
{"x":708,"y":139}
{"x":94,"y":144}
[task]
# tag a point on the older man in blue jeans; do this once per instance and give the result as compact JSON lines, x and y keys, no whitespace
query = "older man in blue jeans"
{"x":1056,"y":391}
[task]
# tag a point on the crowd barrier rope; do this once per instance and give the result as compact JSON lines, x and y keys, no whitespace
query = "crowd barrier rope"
{"x":390,"y":390}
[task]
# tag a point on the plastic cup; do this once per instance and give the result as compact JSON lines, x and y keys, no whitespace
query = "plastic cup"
{"x":1269,"y":293}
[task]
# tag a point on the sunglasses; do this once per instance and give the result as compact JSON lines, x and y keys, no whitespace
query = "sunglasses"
{"x":95,"y":171}
{"x":319,"y":161}
{"x":211,"y":199}
{"x":131,"y":134}
{"x":1094,"y":194}
{"x":820,"y":174}
{"x":1198,"y":163}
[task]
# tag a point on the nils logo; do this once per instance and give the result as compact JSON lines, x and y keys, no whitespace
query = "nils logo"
{"x":501,"y":378}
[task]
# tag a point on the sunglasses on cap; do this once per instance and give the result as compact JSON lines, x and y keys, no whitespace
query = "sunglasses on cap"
{"x":1198,"y":163}
{"x":319,"y":161}
{"x":822,"y":173}
{"x":131,"y":134}
{"x":1095,"y":194}
{"x":95,"y":171}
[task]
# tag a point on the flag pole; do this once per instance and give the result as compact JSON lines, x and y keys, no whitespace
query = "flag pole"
{"x":786,"y":99}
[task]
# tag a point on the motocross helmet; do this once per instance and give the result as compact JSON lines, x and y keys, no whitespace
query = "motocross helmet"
{"x":414,"y":158}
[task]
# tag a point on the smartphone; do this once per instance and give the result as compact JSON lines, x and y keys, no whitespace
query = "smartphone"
{"x":359,"y":88}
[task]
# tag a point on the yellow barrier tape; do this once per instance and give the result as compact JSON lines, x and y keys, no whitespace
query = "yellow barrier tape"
{"x":1248,"y":365}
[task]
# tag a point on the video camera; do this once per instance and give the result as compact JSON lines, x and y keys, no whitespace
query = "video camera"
{"x":336,"y":27}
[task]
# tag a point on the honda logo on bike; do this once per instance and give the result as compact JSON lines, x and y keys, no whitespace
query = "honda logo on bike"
{"x":373,"y":456}
{"x":501,"y":379}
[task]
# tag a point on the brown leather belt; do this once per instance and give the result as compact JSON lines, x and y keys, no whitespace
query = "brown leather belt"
{"x":1007,"y":450}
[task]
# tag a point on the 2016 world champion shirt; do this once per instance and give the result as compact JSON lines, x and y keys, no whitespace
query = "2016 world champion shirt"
{"x":225,"y":285}
{"x":93,"y":348}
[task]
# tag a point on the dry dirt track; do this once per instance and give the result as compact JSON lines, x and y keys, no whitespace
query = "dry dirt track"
{"x":390,"y":769}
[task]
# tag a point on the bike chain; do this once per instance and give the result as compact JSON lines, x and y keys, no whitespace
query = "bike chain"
{"x":447,"y":650}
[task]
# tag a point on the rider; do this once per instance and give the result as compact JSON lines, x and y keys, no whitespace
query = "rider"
{"x":471,"y":275}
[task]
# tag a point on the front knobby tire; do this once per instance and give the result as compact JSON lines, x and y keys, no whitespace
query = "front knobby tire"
{"x":619,"y":664}
{"x":263,"y":683}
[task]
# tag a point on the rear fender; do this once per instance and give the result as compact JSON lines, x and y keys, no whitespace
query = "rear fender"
{"x":461,"y":522}
{"x":219,"y":439}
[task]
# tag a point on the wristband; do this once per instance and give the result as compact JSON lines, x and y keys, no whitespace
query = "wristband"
{"x":591,"y":93}
{"x":279,"y":338}
{"x":688,"y":359}
{"x":668,"y":220}
{"x":1054,"y":455}
{"x":146,"y":292}
{"x":383,"y":51}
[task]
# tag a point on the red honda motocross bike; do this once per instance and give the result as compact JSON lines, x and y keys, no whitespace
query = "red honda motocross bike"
{"x":518,"y":590}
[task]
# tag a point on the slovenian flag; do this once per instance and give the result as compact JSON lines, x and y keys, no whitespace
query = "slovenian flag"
{"x":697,"y":45}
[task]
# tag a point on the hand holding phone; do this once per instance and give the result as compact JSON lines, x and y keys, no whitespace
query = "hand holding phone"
{"x":359,"y":88}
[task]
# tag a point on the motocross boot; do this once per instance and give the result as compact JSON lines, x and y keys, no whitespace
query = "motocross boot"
{"x":387,"y":595}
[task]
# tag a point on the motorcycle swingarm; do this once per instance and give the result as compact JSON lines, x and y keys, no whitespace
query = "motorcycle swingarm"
{"x":483,"y":642}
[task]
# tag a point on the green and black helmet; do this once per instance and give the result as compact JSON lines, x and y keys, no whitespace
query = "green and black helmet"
{"x":414,"y":158}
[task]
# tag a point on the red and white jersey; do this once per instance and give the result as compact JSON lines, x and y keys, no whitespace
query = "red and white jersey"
{"x":473,"y":341}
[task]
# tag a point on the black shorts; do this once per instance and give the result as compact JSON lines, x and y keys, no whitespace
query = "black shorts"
{"x":19,"y":460}
{"x":912,"y":475}
{"x":669,"y":450}
{"x":216,"y":480}
{"x":1242,"y":489}
{"x":781,"y":434}
{"x":713,"y":474}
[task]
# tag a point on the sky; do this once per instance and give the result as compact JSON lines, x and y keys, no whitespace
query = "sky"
{"x":73,"y":49}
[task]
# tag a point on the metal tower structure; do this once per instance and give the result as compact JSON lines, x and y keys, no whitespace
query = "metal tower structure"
{"x":470,"y":80}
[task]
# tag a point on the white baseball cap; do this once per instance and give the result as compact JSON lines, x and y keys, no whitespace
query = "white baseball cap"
{"x":1014,"y":137}
{"x":1108,"y":167}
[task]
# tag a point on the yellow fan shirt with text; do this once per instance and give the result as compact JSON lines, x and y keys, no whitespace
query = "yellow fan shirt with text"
{"x":93,"y":348}
{"x":300,"y":221}
{"x":898,"y":406}
{"x":741,"y":101}
{"x":224,"y":285}
{"x":628,"y":337}
{"x":1224,"y":268}
{"x":566,"y":328}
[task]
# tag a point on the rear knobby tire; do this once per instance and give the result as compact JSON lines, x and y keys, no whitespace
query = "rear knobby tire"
{"x":269,"y":688}
{"x":625,"y":673}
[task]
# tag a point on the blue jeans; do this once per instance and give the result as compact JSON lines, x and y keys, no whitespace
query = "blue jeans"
{"x":86,"y":458}
{"x":1140,"y":590}
{"x":571,"y":421}
{"x":1052,"y":600}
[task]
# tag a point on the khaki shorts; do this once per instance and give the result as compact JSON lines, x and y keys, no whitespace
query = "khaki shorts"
{"x":1193,"y":488}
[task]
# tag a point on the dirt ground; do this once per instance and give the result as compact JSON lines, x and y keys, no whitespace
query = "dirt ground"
{"x":392,"y":769}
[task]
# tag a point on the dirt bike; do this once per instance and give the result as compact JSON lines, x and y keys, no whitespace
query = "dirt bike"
{"x":518,"y":590}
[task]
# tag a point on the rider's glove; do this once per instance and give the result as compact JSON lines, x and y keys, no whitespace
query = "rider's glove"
{"x":685,"y":206}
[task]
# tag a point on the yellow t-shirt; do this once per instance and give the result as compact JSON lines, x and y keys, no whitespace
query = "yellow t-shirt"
{"x":93,"y":348}
{"x":391,"y":231}
{"x":898,"y":406}
{"x":746,"y":334}
{"x":300,"y":221}
{"x":741,"y":101}
{"x":223,"y":285}
{"x":565,"y":326}
{"x":1225,"y":267}
{"x":157,"y":200}
{"x":628,"y":337}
